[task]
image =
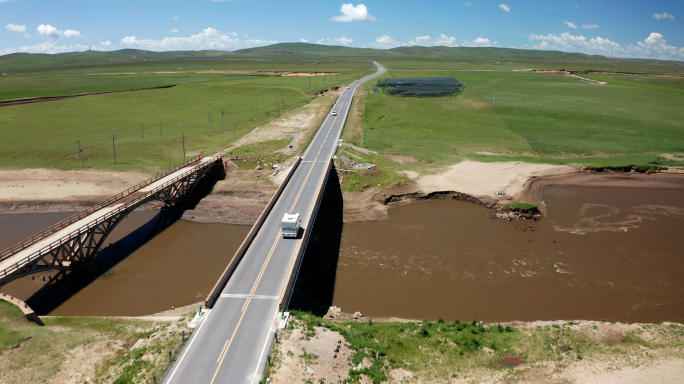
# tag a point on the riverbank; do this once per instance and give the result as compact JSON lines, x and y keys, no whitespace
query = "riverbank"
{"x":241,"y":196}
{"x":401,"y":351}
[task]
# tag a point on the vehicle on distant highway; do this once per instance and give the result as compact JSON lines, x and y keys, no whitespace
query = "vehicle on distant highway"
{"x":347,"y":87}
{"x":291,"y":223}
{"x":334,"y":113}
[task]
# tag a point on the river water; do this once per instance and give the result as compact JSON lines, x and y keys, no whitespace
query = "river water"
{"x":602,"y":253}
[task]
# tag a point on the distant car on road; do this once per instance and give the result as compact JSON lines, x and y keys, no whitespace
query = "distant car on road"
{"x":347,"y":87}
{"x":334,"y":113}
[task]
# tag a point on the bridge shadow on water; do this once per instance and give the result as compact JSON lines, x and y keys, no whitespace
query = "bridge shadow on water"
{"x":66,"y":284}
{"x":315,"y":286}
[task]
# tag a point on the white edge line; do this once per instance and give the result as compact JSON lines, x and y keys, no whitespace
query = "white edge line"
{"x":261,"y":357}
{"x":194,"y":336}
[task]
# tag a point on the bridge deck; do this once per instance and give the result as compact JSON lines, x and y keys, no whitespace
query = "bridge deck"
{"x":232,"y":343}
{"x":14,"y":257}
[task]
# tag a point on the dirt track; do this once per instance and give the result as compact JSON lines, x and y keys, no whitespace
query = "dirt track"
{"x":30,"y":100}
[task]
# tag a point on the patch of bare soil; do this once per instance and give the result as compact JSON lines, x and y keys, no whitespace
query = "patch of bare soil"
{"x":238,"y":199}
{"x":402,"y":159}
{"x":54,"y":190}
{"x":297,"y":125}
{"x":301,"y":356}
{"x":297,"y":74}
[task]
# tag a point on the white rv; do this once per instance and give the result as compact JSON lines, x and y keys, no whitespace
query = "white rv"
{"x":291,"y":223}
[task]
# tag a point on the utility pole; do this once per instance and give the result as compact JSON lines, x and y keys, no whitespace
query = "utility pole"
{"x":222,"y":113}
{"x":169,"y":161}
{"x":79,"y":148}
{"x":142,"y":130}
{"x":309,"y":85}
{"x":114,"y":145}
{"x":183,"y":136}
{"x":161,"y":133}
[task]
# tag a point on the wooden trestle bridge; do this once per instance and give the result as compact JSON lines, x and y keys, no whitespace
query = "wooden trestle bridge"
{"x":73,"y":243}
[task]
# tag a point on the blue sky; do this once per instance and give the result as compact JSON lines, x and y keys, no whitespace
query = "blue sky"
{"x":644,"y":29}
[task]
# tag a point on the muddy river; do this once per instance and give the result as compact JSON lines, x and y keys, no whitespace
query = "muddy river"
{"x":602,"y":253}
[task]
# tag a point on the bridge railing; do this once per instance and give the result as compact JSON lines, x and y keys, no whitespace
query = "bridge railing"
{"x":84,"y":229}
{"x":80,"y":215}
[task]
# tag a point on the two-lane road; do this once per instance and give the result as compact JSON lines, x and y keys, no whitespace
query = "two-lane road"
{"x":232,"y":343}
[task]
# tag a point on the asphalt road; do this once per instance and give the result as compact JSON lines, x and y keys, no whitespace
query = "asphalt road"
{"x":232,"y":343}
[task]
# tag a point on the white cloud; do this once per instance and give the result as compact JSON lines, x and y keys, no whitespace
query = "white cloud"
{"x":338,"y":41}
{"x":505,"y":7}
{"x":16,"y":28}
{"x":49,"y":32}
{"x":480,"y":42}
{"x":351,"y":13}
{"x":663,"y":15}
{"x":303,"y":40}
{"x":71,"y":33}
{"x":209,"y":38}
{"x":468,"y":4}
{"x":427,"y":41}
{"x":570,"y":24}
{"x":233,"y":34}
{"x":173,"y":30}
{"x":385,"y":42}
{"x":176,"y":17}
{"x":590,"y":26}
{"x":50,"y":46}
{"x":653,"y":47}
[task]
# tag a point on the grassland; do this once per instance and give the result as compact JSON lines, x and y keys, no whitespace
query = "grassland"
{"x":47,"y":134}
{"x":444,"y":351}
{"x":536,"y":118}
{"x":90,"y":350}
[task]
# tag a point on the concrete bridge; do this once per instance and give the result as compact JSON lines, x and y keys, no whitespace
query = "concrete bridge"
{"x":233,"y":341}
{"x":73,"y":243}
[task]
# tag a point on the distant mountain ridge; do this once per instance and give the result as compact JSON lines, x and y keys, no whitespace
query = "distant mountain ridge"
{"x":38,"y":60}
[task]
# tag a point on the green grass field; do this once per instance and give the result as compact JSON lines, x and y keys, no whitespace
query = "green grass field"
{"x":47,"y":134}
{"x":540,"y":118}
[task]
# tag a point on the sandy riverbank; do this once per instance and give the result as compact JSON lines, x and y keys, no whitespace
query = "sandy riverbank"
{"x":240,"y":198}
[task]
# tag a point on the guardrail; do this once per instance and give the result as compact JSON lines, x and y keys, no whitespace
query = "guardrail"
{"x":87,"y":226}
{"x":80,"y":215}
{"x":214,"y":293}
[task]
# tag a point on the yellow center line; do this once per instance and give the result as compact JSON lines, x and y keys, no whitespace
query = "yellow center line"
{"x":263,"y":268}
{"x":226,"y":346}
{"x":230,"y":341}
{"x":312,"y":166}
{"x":223,"y":351}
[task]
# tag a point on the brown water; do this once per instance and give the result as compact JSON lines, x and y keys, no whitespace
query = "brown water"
{"x":603,"y":253}
{"x":174,"y":268}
